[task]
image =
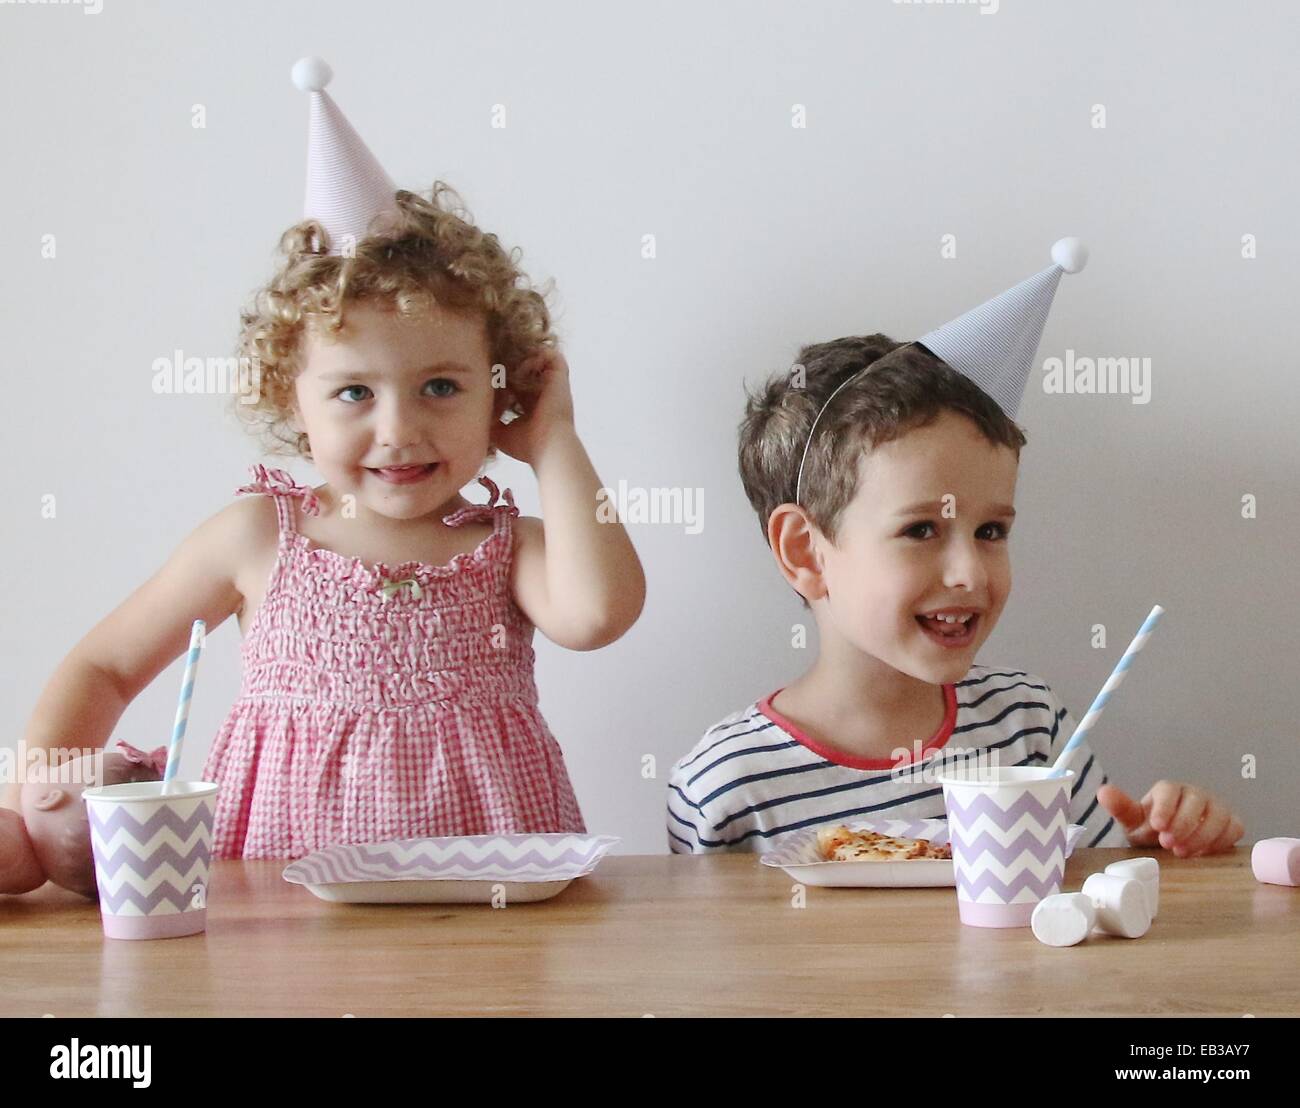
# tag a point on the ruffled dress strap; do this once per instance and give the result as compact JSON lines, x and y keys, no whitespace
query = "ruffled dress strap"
{"x":498,"y":514}
{"x":280,"y":485}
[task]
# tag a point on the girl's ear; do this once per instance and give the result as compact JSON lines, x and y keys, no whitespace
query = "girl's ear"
{"x":793,"y":539}
{"x":505,"y":400}
{"x":501,"y":400}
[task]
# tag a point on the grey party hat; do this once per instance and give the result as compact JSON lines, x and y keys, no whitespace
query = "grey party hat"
{"x":994,"y":344}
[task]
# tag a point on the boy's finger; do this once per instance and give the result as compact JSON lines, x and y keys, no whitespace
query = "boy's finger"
{"x":1131,"y":815}
{"x":1161,"y":802}
{"x":1191,"y":809}
{"x":1205,"y":837}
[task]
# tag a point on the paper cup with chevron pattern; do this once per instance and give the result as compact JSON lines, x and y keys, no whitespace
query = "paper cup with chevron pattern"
{"x":1007,"y":827}
{"x":152,"y":856}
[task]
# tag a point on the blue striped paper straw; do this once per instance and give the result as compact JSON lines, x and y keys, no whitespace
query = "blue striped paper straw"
{"x":183,"y":708}
{"x":1112,"y":683}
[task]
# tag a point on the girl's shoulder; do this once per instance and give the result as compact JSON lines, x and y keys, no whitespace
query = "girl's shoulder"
{"x":528,"y":531}
{"x":250,"y":532}
{"x":251,"y":520}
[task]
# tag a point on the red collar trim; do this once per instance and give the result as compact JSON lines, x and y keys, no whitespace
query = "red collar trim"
{"x":936,"y":742}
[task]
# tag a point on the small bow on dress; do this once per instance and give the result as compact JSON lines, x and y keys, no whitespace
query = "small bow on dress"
{"x":392,"y":588}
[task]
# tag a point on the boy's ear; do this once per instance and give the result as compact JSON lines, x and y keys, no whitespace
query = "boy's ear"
{"x":793,"y":539}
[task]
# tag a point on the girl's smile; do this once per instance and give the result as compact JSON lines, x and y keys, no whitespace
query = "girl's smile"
{"x":404,"y":475}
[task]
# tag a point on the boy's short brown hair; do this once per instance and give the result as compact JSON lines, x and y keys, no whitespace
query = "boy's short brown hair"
{"x":907,"y":387}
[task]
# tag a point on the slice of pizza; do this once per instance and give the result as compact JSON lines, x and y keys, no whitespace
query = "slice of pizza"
{"x":839,"y":844}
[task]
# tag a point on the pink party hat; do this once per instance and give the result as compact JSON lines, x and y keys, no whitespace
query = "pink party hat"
{"x":994,"y":345}
{"x":347,"y":188}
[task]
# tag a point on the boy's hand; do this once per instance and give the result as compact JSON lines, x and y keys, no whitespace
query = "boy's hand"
{"x":1182,"y":818}
{"x":546,"y":412}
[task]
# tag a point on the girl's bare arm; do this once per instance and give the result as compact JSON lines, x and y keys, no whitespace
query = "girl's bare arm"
{"x":87,"y":694}
{"x":576,"y":574}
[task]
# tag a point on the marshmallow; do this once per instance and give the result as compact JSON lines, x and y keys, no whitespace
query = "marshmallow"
{"x":1063,"y":919}
{"x":1146,"y":870}
{"x":1121,"y":904}
{"x":1276,"y":861}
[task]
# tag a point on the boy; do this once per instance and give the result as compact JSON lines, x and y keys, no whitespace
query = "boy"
{"x":888,"y":511}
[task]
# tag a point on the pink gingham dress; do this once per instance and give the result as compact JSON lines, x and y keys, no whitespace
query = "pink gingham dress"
{"x":384,"y":703}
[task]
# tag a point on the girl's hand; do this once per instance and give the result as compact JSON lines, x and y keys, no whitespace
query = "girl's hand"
{"x":548,"y":412}
{"x":1182,"y":818}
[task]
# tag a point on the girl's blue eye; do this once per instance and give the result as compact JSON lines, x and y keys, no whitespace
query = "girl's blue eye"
{"x":444,"y":387}
{"x":1002,"y":532}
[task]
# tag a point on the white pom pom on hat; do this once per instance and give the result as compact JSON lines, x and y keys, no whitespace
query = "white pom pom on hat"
{"x":1070,"y":254}
{"x":312,"y":74}
{"x":347,"y":188}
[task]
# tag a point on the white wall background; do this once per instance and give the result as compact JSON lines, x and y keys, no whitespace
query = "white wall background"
{"x":674,"y":119}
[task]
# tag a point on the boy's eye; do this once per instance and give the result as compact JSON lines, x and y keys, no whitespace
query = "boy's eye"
{"x":444,"y":386}
{"x":340,"y":393}
{"x":1001,"y":531}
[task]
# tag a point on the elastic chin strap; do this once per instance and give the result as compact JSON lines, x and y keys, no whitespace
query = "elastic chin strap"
{"x":798,"y":483}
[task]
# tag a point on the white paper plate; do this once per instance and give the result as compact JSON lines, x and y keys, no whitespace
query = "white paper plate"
{"x":798,"y":856}
{"x":471,"y":869}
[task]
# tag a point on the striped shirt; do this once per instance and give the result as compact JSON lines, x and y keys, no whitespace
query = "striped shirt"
{"x":755,"y":777}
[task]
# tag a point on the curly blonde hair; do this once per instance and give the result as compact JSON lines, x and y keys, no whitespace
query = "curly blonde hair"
{"x":429,"y":253}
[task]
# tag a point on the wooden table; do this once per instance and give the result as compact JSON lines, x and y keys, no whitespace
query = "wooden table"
{"x":662,"y":935}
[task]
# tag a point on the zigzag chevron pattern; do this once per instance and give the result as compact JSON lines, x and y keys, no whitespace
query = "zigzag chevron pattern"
{"x":985,"y":805}
{"x":1009,"y":846}
{"x":143,"y":877}
{"x":1026,"y":887}
{"x":1043,"y":870}
{"x":1006,"y":834}
{"x":120,"y":819}
{"x":150,"y":866}
{"x":147,"y":904}
{"x":166,"y":839}
{"x":475,"y":858}
{"x":1008,"y":855}
{"x":113,"y":868}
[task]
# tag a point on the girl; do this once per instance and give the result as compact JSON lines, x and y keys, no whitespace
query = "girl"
{"x":387,"y":686}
